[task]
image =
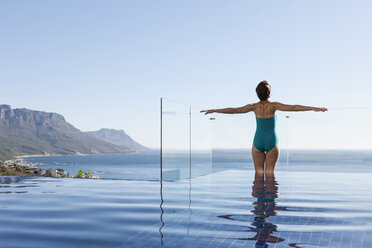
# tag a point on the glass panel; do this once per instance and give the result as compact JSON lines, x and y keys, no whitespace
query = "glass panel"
{"x":307,"y":140}
{"x":201,"y":154}
{"x":231,"y":141}
{"x":339,"y":137}
{"x":175,"y":140}
{"x":186,"y":154}
{"x":185,"y":142}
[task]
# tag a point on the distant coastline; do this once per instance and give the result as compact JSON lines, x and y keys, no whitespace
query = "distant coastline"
{"x":72,"y":154}
{"x":29,"y":133}
{"x":48,"y":155}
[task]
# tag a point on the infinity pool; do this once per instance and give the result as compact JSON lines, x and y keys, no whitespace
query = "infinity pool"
{"x":230,"y":208}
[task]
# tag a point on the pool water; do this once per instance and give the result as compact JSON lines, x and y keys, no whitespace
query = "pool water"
{"x":230,"y":208}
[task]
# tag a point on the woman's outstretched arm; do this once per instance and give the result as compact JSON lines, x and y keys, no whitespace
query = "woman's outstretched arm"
{"x":245,"y":109}
{"x":286,"y":107}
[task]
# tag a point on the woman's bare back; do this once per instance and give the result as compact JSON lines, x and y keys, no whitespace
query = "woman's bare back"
{"x":264,"y":109}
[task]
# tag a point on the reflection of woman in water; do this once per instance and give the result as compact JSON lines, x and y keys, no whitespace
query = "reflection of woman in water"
{"x":264,"y":147}
{"x":265,"y":192}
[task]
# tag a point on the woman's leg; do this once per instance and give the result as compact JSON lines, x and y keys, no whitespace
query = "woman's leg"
{"x":258,"y":160}
{"x":271,"y":160}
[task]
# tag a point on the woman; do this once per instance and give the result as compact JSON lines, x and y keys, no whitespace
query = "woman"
{"x":264,"y":149}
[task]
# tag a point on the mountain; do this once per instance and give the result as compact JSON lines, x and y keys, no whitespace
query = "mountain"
{"x":117,"y":137}
{"x":28,"y":132}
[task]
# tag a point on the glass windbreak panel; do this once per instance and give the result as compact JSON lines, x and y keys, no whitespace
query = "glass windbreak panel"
{"x":339,"y":140}
{"x":283,"y":131}
{"x":175,"y":140}
{"x":186,"y":155}
{"x":201,"y":154}
{"x":185,"y":142}
{"x":231,"y":141}
{"x":306,"y":140}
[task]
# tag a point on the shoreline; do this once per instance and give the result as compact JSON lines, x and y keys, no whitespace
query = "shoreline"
{"x":50,"y":155}
{"x":59,"y":155}
{"x":20,"y":167}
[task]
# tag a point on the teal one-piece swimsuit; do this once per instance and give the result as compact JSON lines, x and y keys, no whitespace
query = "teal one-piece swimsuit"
{"x":265,"y":138}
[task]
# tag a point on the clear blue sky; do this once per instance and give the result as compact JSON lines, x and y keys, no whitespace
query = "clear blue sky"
{"x":107,"y":63}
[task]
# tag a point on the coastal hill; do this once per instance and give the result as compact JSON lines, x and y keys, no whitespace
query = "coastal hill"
{"x":27,"y":132}
{"x":117,"y":137}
